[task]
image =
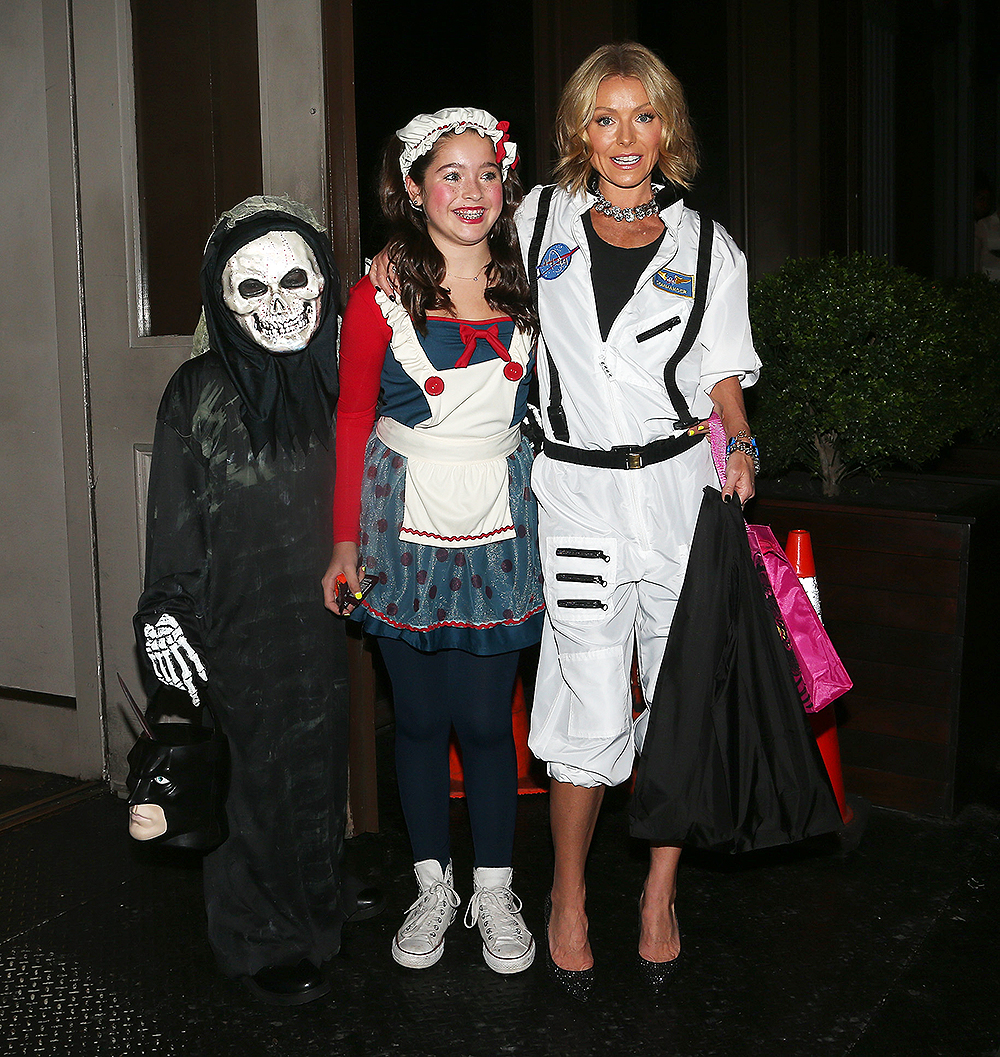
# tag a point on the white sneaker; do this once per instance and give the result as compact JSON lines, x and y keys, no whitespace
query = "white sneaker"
{"x":420,"y":940}
{"x":507,"y":944}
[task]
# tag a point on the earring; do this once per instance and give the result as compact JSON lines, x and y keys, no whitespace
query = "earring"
{"x":416,"y":205}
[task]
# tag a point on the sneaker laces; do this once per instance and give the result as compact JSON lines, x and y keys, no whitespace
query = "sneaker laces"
{"x":496,"y":907}
{"x":430,"y":899}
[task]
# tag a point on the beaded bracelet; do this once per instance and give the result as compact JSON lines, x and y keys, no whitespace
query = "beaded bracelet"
{"x":747,"y":445}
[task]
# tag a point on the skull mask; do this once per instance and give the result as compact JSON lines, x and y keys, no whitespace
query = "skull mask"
{"x":273,"y":286}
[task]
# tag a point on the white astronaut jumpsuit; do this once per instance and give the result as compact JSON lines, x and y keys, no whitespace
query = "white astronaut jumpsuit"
{"x":637,"y":525}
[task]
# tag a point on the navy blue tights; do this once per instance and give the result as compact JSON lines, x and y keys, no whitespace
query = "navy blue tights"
{"x":433,"y":692}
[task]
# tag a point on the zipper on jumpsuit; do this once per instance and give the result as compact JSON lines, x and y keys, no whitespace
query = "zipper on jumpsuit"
{"x":611,"y":390}
{"x":580,"y":234}
{"x":633,"y":477}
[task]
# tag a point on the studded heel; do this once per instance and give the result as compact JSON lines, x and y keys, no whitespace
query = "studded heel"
{"x":577,"y":983}
{"x":654,"y":975}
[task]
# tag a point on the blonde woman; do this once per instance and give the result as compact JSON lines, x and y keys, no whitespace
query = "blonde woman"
{"x":625,"y":384}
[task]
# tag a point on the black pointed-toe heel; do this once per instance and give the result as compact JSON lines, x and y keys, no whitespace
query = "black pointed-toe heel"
{"x":654,"y":975}
{"x":577,"y":983}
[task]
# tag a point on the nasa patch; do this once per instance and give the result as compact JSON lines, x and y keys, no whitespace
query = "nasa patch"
{"x":674,"y":282}
{"x":555,"y":260}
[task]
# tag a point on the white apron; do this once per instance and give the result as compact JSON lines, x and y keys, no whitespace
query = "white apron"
{"x":457,"y":491}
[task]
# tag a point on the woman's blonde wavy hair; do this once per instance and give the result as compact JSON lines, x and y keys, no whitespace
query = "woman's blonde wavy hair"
{"x":678,"y":149}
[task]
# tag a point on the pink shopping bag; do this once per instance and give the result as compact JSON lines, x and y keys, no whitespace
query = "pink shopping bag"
{"x":821,"y":669}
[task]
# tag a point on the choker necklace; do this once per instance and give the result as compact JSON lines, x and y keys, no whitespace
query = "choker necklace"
{"x":640,"y":212}
{"x":472,"y":278}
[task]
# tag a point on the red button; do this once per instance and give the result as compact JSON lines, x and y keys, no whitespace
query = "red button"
{"x":434,"y":386}
{"x":513,"y":371}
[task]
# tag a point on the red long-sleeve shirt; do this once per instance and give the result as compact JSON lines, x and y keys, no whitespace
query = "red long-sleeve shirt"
{"x":364,"y":341}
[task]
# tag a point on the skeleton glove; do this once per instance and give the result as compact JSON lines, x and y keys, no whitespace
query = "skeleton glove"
{"x":172,"y":656}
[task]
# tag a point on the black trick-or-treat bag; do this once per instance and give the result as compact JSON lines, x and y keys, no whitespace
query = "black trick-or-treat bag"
{"x":729,"y":762}
{"x":181,"y":769}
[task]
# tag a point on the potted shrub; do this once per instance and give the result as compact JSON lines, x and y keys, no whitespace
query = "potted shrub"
{"x":868,"y":366}
{"x":861,"y":369}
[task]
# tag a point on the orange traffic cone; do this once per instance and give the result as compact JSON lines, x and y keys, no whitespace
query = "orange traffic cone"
{"x":526,"y":782}
{"x":455,"y":768}
{"x":800,"y":554}
{"x":824,"y":727}
{"x":519,"y":717}
{"x":824,"y":722}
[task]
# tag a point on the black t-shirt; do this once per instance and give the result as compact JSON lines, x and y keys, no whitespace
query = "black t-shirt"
{"x":614,"y":271}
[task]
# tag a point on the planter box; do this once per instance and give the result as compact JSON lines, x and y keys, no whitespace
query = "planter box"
{"x":970,"y":459}
{"x":908,"y":597}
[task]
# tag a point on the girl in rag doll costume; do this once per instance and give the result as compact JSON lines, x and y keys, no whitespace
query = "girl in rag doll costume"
{"x":238,"y":537}
{"x":434,"y":502}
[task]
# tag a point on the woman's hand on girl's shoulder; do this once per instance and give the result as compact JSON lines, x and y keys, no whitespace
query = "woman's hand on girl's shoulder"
{"x":383,"y":274}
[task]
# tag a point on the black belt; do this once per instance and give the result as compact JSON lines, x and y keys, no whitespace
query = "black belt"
{"x":623,"y":456}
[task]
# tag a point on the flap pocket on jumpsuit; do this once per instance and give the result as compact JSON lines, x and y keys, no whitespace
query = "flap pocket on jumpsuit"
{"x":580,"y":575}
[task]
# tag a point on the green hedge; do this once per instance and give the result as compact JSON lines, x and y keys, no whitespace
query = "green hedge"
{"x":866,"y":364}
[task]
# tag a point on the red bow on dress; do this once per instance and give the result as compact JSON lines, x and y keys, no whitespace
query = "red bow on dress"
{"x":471,"y":335}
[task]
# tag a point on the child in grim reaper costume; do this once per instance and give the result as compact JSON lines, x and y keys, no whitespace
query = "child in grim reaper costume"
{"x":238,"y":539}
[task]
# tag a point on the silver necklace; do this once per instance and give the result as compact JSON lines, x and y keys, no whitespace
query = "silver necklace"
{"x":640,"y":212}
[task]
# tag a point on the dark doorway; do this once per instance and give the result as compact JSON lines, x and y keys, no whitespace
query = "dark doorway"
{"x":406,"y":63}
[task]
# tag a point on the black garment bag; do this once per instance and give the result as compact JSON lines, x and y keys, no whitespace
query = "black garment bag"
{"x":729,"y":762}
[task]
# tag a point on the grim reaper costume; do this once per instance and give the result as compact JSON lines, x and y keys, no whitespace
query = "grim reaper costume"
{"x":238,"y":539}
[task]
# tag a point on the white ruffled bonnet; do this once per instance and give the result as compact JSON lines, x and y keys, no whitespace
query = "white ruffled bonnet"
{"x":420,"y":135}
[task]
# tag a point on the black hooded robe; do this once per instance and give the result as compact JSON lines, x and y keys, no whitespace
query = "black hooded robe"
{"x":239,"y":537}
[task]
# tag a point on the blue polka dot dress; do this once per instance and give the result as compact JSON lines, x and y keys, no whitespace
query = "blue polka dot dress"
{"x":484,"y":598}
